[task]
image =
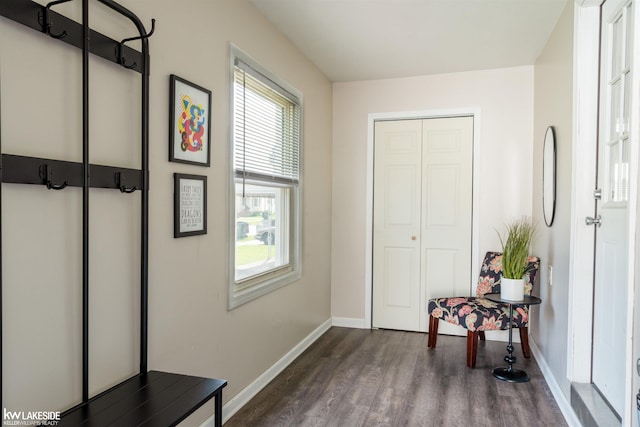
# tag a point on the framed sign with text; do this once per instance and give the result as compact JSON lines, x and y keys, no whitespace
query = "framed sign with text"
{"x":189,"y":205}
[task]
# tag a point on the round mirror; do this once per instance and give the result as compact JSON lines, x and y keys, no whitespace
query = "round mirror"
{"x":549,"y":177}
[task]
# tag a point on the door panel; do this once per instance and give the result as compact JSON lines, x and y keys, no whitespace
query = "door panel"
{"x":401,"y":184}
{"x":399,"y":265}
{"x":447,"y":211}
{"x":441,"y":279}
{"x":396,"y":225}
{"x":442,"y":195}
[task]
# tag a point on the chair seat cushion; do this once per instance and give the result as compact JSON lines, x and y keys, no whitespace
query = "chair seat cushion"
{"x":477,"y":314}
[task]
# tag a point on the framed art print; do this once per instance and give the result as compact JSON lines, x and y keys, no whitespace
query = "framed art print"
{"x":189,"y":205}
{"x":189,"y":122}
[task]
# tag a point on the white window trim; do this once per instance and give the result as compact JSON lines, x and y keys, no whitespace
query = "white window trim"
{"x":238,"y":297}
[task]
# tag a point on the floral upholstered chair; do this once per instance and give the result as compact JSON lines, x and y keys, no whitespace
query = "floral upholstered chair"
{"x":478,"y":314}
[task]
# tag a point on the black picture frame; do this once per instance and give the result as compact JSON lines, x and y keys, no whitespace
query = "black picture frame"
{"x":189,"y":205}
{"x":189,"y":122}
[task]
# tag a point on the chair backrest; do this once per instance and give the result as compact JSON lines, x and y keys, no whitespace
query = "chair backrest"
{"x":491,"y":273}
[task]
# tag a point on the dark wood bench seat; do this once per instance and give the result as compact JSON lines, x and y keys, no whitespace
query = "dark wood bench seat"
{"x":154,"y":399}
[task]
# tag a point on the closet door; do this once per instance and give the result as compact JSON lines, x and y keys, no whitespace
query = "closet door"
{"x":396,"y":224}
{"x":447,"y":187}
{"x":422,"y":217}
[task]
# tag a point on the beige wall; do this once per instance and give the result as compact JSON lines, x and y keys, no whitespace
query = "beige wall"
{"x":553,"y":99}
{"x":190,"y":329}
{"x":504,"y":98}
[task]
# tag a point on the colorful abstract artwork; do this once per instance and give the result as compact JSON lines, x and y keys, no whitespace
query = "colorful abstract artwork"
{"x":190,"y":122}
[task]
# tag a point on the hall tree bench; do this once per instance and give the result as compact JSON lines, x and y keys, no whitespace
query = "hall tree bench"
{"x":149,"y":398}
{"x":154,"y":399}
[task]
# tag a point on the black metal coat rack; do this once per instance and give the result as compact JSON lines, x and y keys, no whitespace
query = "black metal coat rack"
{"x":59,"y":174}
{"x":149,"y":398}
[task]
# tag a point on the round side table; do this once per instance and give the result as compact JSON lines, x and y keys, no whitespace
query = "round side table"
{"x":508,"y":373}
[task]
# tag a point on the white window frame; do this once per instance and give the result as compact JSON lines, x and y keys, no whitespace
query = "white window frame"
{"x":277,"y":278}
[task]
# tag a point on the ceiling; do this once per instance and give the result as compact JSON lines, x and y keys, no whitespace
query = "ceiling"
{"x":352,"y":40}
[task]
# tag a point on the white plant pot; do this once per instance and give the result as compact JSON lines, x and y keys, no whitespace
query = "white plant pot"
{"x":512,"y":289}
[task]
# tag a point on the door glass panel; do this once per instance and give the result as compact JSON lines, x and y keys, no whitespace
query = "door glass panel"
{"x":626,"y":105}
{"x":628,"y":32}
{"x":617,"y":46}
{"x":623,"y":177}
{"x":617,"y":121}
{"x":628,"y":37}
{"x":611,"y":170}
{"x":618,"y":170}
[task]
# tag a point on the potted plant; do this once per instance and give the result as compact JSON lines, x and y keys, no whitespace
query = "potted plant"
{"x":515,"y":252}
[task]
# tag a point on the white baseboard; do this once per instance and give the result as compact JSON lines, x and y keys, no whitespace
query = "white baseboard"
{"x":353,"y":322}
{"x":350,"y":322}
{"x":561,"y":398}
{"x":241,"y":399}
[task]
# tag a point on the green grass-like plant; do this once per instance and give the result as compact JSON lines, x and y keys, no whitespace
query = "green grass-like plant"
{"x":515,"y":248}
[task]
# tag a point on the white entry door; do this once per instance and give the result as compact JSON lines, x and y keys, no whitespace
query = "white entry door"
{"x":612,"y":231}
{"x":422,"y":217}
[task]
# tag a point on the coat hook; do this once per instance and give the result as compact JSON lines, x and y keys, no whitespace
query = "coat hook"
{"x":127,"y":66}
{"x":121,"y":59}
{"x":52,"y":186}
{"x":120,"y":182}
{"x":46,"y":22}
{"x":48,"y":179}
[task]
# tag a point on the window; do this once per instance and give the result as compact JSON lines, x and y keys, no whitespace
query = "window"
{"x":266,"y":181}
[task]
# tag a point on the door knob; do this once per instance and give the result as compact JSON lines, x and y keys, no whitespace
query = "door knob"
{"x":591,"y":220}
{"x":413,"y":237}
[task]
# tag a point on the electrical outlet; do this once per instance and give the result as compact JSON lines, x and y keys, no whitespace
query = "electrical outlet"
{"x":550,"y":275}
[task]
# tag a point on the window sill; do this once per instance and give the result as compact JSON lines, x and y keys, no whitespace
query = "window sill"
{"x":242,"y":296}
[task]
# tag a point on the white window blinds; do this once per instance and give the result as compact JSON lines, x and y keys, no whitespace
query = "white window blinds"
{"x":266,"y":128}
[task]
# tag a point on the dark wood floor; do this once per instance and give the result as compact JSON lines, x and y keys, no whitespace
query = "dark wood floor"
{"x":356,"y":377}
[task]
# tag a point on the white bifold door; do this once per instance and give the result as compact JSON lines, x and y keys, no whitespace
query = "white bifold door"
{"x":422,"y":215}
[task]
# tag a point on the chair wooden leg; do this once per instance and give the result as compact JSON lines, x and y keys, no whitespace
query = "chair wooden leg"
{"x":482,"y":338}
{"x":433,"y":331}
{"x":524,"y":340}
{"x":472,"y":348}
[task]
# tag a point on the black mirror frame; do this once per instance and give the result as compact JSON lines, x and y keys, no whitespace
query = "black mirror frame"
{"x":549,"y":172}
